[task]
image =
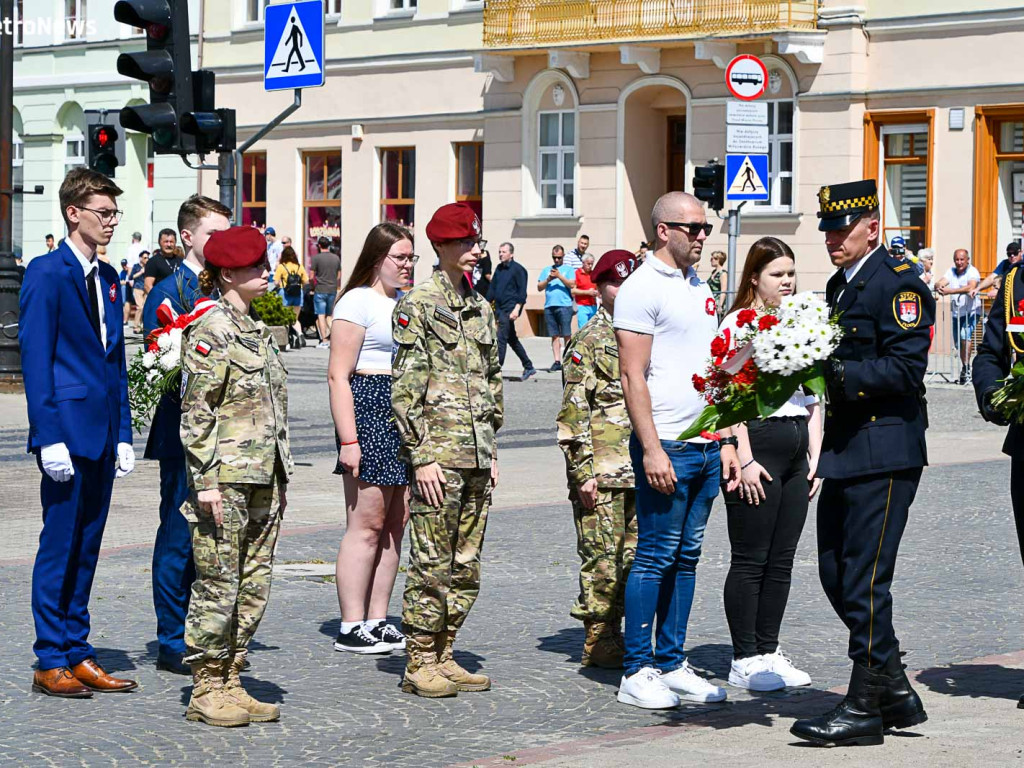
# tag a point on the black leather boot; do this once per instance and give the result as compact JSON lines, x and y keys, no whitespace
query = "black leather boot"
{"x":900,"y":704}
{"x":857,"y":721}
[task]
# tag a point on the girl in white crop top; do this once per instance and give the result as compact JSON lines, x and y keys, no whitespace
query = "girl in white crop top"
{"x":375,"y":481}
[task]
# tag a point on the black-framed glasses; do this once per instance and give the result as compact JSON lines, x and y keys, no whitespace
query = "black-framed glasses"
{"x":693,"y":228}
{"x":404,"y":260}
{"x":105,"y":215}
{"x":469,"y":242}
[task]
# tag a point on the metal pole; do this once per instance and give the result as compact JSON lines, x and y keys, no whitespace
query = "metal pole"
{"x":237,"y":207}
{"x":734,"y":236}
{"x":226,"y":175}
{"x":10,"y":273}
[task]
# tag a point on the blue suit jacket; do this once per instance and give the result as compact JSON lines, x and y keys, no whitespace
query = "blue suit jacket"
{"x":182,"y":288}
{"x":77,"y":391}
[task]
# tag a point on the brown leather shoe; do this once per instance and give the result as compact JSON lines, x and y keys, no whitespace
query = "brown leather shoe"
{"x":92,"y":675}
{"x":59,"y":682}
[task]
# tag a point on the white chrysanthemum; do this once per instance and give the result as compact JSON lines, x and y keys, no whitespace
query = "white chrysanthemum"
{"x":148,"y":360}
{"x":170,"y":360}
{"x":175,"y":336}
{"x":163,"y":341}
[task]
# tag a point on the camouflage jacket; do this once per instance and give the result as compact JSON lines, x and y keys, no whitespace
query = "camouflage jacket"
{"x":234,"y":402}
{"x":593,"y":426}
{"x":446,"y":389}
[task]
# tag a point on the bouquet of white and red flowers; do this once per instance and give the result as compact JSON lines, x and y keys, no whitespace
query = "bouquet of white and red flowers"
{"x":753,"y":372}
{"x":156,"y":370}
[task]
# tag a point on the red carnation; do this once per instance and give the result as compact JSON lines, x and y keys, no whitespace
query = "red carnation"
{"x":745,"y":317}
{"x":710,"y":435}
{"x":767,"y":322}
{"x":1020,"y":305}
{"x":699,"y":382}
{"x":719,"y":346}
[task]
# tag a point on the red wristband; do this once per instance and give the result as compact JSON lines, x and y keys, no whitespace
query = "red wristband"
{"x":354,"y":442}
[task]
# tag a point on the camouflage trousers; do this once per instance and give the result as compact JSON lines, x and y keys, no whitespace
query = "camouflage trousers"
{"x":443,"y":578}
{"x":234,"y":565}
{"x":606,"y":543}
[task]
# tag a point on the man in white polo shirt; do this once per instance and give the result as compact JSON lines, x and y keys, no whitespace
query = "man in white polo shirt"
{"x":665,"y":320}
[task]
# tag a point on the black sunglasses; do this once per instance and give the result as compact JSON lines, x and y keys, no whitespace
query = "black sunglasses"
{"x":692,"y":228}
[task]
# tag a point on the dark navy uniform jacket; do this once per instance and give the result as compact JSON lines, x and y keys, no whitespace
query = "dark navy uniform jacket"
{"x":885,"y":312}
{"x":182,"y":288}
{"x":999,"y":350}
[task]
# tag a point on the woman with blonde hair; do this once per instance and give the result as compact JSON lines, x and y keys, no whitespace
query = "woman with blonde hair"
{"x":376,"y":482}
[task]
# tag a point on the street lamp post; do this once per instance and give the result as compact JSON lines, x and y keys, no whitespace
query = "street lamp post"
{"x":10,"y":274}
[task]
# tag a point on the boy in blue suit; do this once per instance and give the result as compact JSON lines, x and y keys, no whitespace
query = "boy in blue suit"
{"x":173,"y":570}
{"x":76,"y":383}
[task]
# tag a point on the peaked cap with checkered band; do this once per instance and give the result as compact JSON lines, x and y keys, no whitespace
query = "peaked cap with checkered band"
{"x":842,"y":204}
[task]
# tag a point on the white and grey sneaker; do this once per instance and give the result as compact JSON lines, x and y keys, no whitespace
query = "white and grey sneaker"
{"x":691,"y":686}
{"x":755,"y":674}
{"x":360,"y":640}
{"x":780,"y":664}
{"x":387,"y":633}
{"x":645,"y":689}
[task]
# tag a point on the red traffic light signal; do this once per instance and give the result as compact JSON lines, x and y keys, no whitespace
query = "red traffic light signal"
{"x":103,"y":137}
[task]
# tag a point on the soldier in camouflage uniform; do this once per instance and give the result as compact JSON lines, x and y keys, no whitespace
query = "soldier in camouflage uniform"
{"x":234,"y":429}
{"x":593,"y":432}
{"x":447,"y":400}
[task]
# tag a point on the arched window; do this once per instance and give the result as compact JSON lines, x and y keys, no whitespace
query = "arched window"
{"x":550,"y":134}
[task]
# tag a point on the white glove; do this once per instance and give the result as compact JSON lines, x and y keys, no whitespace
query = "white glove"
{"x":125,"y":459}
{"x":57,"y":462}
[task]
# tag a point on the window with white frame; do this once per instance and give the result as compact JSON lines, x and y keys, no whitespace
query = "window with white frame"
{"x":74,"y":151}
{"x":254,"y":9}
{"x":332,"y":7}
{"x":556,"y":180}
{"x":780,"y":156}
{"x":17,"y":151}
{"x":402,"y":5}
{"x":74,"y":19}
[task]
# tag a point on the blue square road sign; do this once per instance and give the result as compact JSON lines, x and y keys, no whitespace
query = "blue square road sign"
{"x":293,"y":45}
{"x":746,"y":177}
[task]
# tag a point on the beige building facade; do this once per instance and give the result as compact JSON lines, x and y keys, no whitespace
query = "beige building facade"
{"x":557,"y":119}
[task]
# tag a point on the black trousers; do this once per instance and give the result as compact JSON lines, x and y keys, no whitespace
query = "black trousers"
{"x":860,"y":525}
{"x":764,"y":537}
{"x":1017,"y":497}
{"x":507,"y":337}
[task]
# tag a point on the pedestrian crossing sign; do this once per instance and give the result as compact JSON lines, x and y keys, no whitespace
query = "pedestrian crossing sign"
{"x":293,"y":45}
{"x":746,"y":177}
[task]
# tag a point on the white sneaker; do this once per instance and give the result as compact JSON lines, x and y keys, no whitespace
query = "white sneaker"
{"x":324,"y":345}
{"x":645,"y":689}
{"x":691,"y":686}
{"x":783,"y":667}
{"x":755,"y":674}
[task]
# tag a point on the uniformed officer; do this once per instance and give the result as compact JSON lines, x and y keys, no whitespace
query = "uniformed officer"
{"x":234,"y":429}
{"x":1001,"y":348}
{"x":593,"y":432}
{"x":447,"y":401}
{"x":871,"y":459}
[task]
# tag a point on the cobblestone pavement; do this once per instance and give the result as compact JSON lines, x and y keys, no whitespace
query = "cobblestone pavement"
{"x":956,"y":598}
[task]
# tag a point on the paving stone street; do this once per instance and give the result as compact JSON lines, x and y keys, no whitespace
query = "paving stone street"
{"x":957,"y":602}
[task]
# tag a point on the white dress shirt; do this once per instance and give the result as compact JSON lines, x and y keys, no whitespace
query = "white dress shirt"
{"x":196,"y":269}
{"x":87,"y":267}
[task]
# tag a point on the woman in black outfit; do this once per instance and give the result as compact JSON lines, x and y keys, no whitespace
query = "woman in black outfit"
{"x":766,"y":514}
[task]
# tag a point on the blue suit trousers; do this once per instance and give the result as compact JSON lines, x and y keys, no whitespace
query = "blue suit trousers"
{"x":173,"y":569}
{"x":74,"y":514}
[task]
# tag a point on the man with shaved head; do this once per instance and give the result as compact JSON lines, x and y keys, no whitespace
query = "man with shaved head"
{"x":665,"y":320}
{"x":960,"y":283}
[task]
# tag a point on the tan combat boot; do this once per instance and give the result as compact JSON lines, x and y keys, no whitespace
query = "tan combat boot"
{"x":259,"y":711}
{"x":210,"y":702}
{"x":601,"y":647}
{"x":464,"y":680}
{"x":422,"y":673}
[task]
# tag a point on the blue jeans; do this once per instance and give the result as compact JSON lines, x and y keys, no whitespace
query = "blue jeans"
{"x":670,"y":531}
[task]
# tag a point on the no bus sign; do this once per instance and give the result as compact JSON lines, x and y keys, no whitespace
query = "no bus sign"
{"x":746,"y":77}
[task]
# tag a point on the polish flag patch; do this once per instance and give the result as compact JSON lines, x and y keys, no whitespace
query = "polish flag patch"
{"x":403,"y":319}
{"x":203,"y":348}
{"x":577,"y":358}
{"x":113,"y":293}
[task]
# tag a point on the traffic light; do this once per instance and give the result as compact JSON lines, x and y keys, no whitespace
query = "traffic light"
{"x":213,"y":129}
{"x":102,"y":156}
{"x":166,"y":65}
{"x":709,"y":185}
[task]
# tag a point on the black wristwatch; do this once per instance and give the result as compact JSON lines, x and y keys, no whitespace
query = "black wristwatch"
{"x":733,"y":441}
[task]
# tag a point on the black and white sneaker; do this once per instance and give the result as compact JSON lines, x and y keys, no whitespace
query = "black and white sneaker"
{"x":387,"y":633}
{"x":361,"y":640}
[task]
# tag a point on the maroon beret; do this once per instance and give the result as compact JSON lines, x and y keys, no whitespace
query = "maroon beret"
{"x":455,"y":221}
{"x":235,"y":248}
{"x":615,"y":266}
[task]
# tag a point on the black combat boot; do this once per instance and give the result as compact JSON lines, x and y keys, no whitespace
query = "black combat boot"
{"x":901,"y":706}
{"x":857,"y":721}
